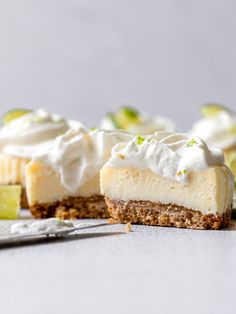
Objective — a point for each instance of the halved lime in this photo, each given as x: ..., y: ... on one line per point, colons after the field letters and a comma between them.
x: 10, y: 196
x: 14, y: 114
x: 212, y: 109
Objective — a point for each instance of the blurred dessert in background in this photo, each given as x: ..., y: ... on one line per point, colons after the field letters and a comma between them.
x: 218, y: 127
x: 24, y: 133
x: 135, y: 122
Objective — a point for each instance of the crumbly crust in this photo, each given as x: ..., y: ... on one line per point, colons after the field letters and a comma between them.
x: 169, y: 215
x: 24, y: 200
x: 72, y: 208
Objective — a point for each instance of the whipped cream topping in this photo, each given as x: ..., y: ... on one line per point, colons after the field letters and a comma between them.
x: 218, y: 130
x: 32, y: 133
x: 78, y: 155
x: 146, y: 125
x: 171, y: 155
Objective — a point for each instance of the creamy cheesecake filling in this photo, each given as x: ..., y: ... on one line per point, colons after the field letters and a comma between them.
x: 12, y: 170
x: 43, y: 185
x: 209, y: 191
x: 218, y: 130
x: 32, y: 133
x: 78, y: 156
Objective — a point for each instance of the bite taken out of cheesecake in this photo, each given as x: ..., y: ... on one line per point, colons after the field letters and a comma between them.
x: 168, y: 179
x: 23, y: 133
x: 64, y: 182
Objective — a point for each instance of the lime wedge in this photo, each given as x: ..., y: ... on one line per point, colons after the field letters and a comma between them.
x: 231, y: 162
x: 127, y: 116
x: 10, y: 196
x: 14, y: 114
x: 210, y: 110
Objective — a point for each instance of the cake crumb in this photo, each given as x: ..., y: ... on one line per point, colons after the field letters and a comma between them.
x: 112, y: 221
x: 128, y: 227
x: 121, y: 156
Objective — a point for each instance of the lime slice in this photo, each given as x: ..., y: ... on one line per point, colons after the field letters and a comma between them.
x: 210, y: 110
x: 231, y: 162
x: 14, y: 114
x: 10, y: 196
x: 127, y: 116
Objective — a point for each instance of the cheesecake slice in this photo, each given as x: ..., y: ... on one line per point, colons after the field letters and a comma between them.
x: 168, y: 179
x: 64, y: 182
x: 22, y: 134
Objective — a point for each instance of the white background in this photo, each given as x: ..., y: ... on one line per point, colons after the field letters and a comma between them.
x: 82, y: 58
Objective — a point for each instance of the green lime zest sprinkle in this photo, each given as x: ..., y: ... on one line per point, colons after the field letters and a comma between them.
x: 191, y: 142
x: 182, y: 172
x: 93, y: 129
x: 140, y: 140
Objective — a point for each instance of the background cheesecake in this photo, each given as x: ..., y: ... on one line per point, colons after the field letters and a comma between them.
x: 168, y: 179
x: 135, y: 122
x: 24, y: 133
x: 218, y: 127
x: 64, y: 182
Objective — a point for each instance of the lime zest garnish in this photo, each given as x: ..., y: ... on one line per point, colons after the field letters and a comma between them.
x: 140, y: 140
x: 182, y: 172
x: 93, y: 129
x: 191, y: 142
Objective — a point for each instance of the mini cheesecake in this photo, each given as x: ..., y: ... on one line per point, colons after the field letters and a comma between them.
x: 135, y: 122
x: 22, y: 134
x: 64, y: 182
x: 168, y: 179
x: 218, y: 127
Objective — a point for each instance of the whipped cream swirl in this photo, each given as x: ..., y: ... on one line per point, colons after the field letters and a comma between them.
x: 32, y: 133
x: 78, y: 155
x: 171, y: 155
x: 218, y: 130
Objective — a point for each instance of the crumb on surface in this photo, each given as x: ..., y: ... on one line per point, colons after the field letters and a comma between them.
x: 112, y: 221
x: 128, y: 227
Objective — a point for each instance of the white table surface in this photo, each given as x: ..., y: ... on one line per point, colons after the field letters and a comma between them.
x: 150, y: 270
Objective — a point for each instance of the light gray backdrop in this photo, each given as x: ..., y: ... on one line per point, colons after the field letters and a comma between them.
x: 82, y: 58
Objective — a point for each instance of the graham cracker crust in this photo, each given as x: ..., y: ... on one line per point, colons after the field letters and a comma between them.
x: 24, y: 200
x: 72, y: 208
x: 169, y: 215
